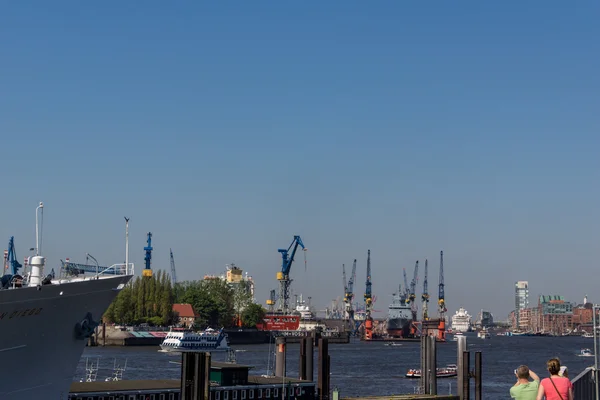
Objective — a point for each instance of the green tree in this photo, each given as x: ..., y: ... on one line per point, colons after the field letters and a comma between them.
x: 252, y: 315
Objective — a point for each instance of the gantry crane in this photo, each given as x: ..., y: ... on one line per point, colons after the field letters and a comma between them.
x: 441, y: 302
x: 368, y: 301
x: 284, y: 275
x: 406, y: 287
x: 148, y: 249
x: 413, y: 296
x: 425, y: 295
x: 173, y: 274
x: 349, y: 295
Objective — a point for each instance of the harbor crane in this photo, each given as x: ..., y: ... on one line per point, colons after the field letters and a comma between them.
x: 148, y: 258
x: 284, y: 275
x: 406, y: 287
x: 349, y: 295
x: 10, y: 258
x: 425, y: 295
x: 368, y: 301
x: 173, y: 274
x: 413, y: 296
x: 441, y: 299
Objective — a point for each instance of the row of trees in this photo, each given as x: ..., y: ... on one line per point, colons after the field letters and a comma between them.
x: 150, y: 300
x: 147, y: 300
x: 219, y: 304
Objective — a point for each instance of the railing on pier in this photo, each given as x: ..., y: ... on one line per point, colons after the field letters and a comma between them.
x: 584, y: 385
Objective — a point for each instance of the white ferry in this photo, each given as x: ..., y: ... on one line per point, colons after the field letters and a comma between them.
x: 188, y: 341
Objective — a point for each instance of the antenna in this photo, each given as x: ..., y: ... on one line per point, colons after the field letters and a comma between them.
x: 38, y: 228
x: 126, y: 245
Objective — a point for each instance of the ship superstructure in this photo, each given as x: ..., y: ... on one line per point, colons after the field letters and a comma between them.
x: 399, y: 314
x: 45, y: 321
x: 461, y: 321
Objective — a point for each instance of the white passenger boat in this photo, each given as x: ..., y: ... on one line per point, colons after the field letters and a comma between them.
x: 181, y: 340
x: 586, y: 353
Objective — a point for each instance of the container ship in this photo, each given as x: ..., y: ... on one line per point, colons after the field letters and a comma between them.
x: 399, y: 316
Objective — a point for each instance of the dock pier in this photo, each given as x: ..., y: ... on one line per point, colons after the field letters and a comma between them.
x: 203, y: 379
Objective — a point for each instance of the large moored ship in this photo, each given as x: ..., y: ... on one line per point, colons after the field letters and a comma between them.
x: 399, y: 315
x: 44, y: 323
x: 461, y: 321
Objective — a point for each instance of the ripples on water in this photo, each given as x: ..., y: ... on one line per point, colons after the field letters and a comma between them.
x: 361, y: 369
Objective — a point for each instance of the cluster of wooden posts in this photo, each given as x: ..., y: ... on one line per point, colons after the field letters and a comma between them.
x: 428, y: 382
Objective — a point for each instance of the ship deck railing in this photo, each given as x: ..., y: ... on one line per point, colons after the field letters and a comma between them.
x: 73, y: 270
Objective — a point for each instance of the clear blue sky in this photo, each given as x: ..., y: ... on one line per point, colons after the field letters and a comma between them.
x: 227, y: 128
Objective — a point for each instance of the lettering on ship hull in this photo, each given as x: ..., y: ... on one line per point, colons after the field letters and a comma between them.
x: 28, y: 312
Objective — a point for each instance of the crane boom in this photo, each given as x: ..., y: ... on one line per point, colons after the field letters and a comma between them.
x: 284, y: 276
x: 406, y: 287
x: 413, y: 286
x: 425, y: 295
x: 173, y: 274
x: 349, y: 294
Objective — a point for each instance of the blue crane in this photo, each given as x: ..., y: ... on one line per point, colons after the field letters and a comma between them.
x: 148, y: 249
x: 286, y: 265
x: 15, y: 266
x: 441, y: 298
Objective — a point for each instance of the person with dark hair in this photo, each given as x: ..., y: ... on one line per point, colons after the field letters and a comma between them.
x: 525, y: 389
x: 555, y: 387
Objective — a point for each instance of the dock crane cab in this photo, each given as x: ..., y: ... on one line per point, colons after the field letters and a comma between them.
x: 284, y: 275
x: 148, y: 258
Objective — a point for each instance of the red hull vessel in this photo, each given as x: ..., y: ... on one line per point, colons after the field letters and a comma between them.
x: 280, y: 322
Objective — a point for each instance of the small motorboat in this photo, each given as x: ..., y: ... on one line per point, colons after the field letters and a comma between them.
x: 393, y: 344
x: 446, y: 372
x: 586, y: 353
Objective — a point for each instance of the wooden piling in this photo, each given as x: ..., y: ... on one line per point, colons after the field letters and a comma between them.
x: 478, y: 370
x: 323, y: 372
x: 309, y: 359
x: 466, y: 392
x: 302, y: 367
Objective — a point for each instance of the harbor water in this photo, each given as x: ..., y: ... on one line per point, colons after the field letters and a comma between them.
x: 367, y: 369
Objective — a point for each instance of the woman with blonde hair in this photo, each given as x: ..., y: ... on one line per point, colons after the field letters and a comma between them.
x: 555, y: 387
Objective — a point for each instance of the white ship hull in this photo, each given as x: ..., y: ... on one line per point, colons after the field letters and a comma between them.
x: 39, y: 346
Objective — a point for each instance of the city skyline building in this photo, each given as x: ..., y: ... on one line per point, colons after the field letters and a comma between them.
x: 521, y: 300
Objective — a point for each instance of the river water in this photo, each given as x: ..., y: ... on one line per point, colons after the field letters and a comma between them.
x: 367, y: 369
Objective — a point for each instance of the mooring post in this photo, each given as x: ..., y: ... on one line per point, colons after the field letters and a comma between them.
x: 432, y: 353
x: 424, y: 365
x: 103, y: 334
x: 478, y: 369
x: 206, y: 362
x: 302, y: 367
x: 191, y: 375
x: 466, y: 389
x: 309, y: 359
x: 460, y: 349
x: 323, y: 373
x: 280, y: 356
